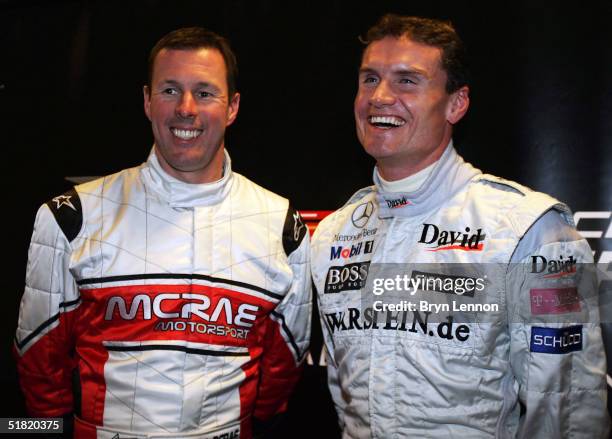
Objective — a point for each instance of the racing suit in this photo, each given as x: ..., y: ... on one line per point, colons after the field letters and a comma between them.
x: 184, y: 308
x: 513, y: 372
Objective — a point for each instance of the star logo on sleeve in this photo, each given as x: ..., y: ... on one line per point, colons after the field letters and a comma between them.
x: 63, y: 200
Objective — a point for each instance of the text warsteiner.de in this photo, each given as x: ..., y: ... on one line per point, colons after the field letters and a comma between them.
x: 410, y: 321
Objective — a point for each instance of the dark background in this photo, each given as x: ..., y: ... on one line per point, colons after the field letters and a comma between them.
x: 71, y: 76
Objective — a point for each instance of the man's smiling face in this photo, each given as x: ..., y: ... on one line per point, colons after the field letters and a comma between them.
x: 403, y: 112
x: 189, y: 108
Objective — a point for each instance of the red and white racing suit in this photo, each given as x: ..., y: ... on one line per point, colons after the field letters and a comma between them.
x: 184, y: 308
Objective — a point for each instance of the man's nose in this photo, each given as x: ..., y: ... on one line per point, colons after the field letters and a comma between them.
x: 382, y: 95
x: 187, y: 106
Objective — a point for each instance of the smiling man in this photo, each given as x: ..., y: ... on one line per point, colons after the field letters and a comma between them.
x: 190, y: 101
x: 177, y: 292
x: 532, y: 364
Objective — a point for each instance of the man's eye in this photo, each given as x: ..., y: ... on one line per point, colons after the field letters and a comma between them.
x: 169, y: 91
x: 203, y: 94
x: 370, y: 80
x: 406, y: 81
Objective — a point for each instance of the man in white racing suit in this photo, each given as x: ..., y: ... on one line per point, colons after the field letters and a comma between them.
x: 178, y: 291
x: 530, y: 362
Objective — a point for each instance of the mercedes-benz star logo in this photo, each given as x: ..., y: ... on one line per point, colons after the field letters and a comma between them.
x: 362, y: 213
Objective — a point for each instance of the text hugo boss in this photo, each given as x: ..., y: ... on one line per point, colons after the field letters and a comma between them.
x: 352, y: 319
x: 539, y: 264
x: 197, y: 305
x: 448, y: 239
x: 338, y: 251
x: 346, y: 277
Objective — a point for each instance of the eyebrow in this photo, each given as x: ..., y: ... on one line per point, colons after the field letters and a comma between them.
x: 400, y: 72
x: 198, y: 84
x: 366, y: 70
x: 412, y: 71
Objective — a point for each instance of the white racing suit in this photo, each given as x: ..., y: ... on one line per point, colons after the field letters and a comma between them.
x: 533, y: 368
x: 184, y: 308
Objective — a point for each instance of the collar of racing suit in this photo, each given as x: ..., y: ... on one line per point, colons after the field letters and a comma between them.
x: 449, y: 174
x: 179, y: 194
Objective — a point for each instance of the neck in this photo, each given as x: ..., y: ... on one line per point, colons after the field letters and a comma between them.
x: 392, y: 169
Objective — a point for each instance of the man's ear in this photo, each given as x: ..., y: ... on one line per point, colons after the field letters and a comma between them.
x: 146, y: 92
x: 458, y: 105
x: 232, y: 109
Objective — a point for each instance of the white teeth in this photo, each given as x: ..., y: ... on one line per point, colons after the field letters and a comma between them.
x: 186, y: 134
x: 388, y: 120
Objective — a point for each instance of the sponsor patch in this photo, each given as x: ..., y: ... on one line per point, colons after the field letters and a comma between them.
x: 294, y: 230
x: 68, y: 213
x: 553, y: 268
x: 346, y: 277
x: 403, y: 321
x: 398, y: 203
x: 545, y: 301
x: 338, y: 251
x: 356, y: 237
x: 362, y: 213
x: 441, y: 240
x: 556, y: 340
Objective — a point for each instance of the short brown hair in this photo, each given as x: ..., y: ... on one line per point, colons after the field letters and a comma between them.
x: 191, y: 38
x: 431, y: 32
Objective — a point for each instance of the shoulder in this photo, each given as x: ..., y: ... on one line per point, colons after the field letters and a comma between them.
x: 258, y: 202
x: 512, y: 191
x: 259, y: 195
x: 61, y: 214
x: 552, y: 235
x: 112, y: 185
x: 68, y: 210
x: 518, y: 204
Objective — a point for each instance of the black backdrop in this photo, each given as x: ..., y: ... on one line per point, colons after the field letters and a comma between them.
x: 71, y: 76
